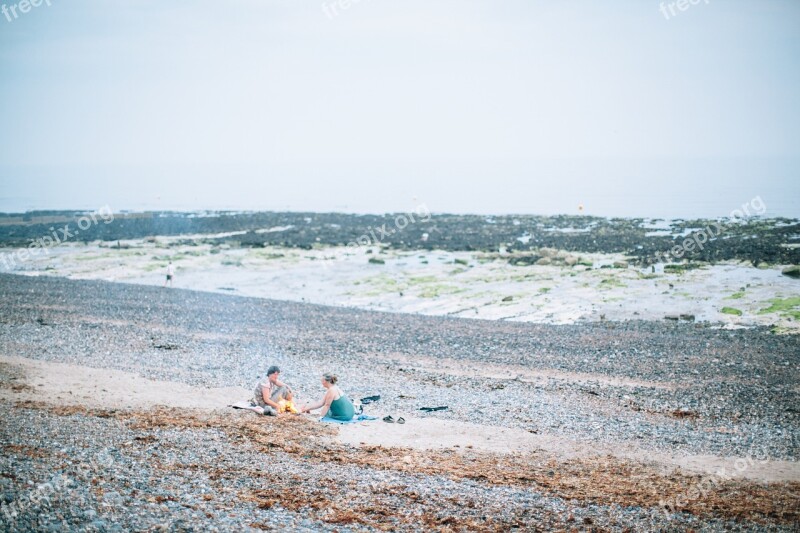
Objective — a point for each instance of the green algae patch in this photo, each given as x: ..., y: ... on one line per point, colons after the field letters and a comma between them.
x: 610, y: 283
x: 268, y: 255
x: 680, y: 268
x: 731, y: 311
x: 419, y: 280
x: 381, y: 284
x: 434, y: 291
x: 785, y: 306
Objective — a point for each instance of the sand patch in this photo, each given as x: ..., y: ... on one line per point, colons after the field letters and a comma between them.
x: 66, y: 384
x: 60, y: 384
x: 436, y: 434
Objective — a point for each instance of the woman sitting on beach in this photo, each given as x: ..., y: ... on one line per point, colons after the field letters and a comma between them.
x: 334, y: 404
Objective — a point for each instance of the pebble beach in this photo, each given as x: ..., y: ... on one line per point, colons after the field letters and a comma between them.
x: 399, y: 266
x: 627, y: 425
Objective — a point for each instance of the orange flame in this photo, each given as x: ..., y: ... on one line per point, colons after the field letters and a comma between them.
x: 287, y: 406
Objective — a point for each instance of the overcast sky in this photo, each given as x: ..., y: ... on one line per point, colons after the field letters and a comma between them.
x: 491, y: 106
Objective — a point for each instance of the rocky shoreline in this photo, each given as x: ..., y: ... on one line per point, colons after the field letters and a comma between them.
x: 646, y: 241
x: 664, y: 389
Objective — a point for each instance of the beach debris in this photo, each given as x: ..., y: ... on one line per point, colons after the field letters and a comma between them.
x: 166, y: 346
x: 370, y: 399
x: 680, y: 316
x: 376, y: 261
x: 508, y: 298
x: 683, y: 412
x: 432, y: 409
x: 389, y: 419
x: 523, y: 260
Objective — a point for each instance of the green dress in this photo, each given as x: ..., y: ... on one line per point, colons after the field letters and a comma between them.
x: 341, y: 409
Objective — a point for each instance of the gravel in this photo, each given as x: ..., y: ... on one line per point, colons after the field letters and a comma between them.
x: 120, y: 478
x: 728, y: 393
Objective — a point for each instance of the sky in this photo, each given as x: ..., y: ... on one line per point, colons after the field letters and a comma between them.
x: 382, y: 105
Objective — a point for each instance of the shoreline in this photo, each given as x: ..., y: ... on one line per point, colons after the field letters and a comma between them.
x: 645, y: 240
x: 566, y: 288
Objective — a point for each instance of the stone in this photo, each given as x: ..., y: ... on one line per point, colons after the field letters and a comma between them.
x: 791, y: 271
x: 544, y: 261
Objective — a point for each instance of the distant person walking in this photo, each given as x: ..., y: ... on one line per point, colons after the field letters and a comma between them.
x: 170, y: 274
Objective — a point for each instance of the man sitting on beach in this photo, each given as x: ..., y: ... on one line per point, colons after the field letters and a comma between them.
x: 272, y: 395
